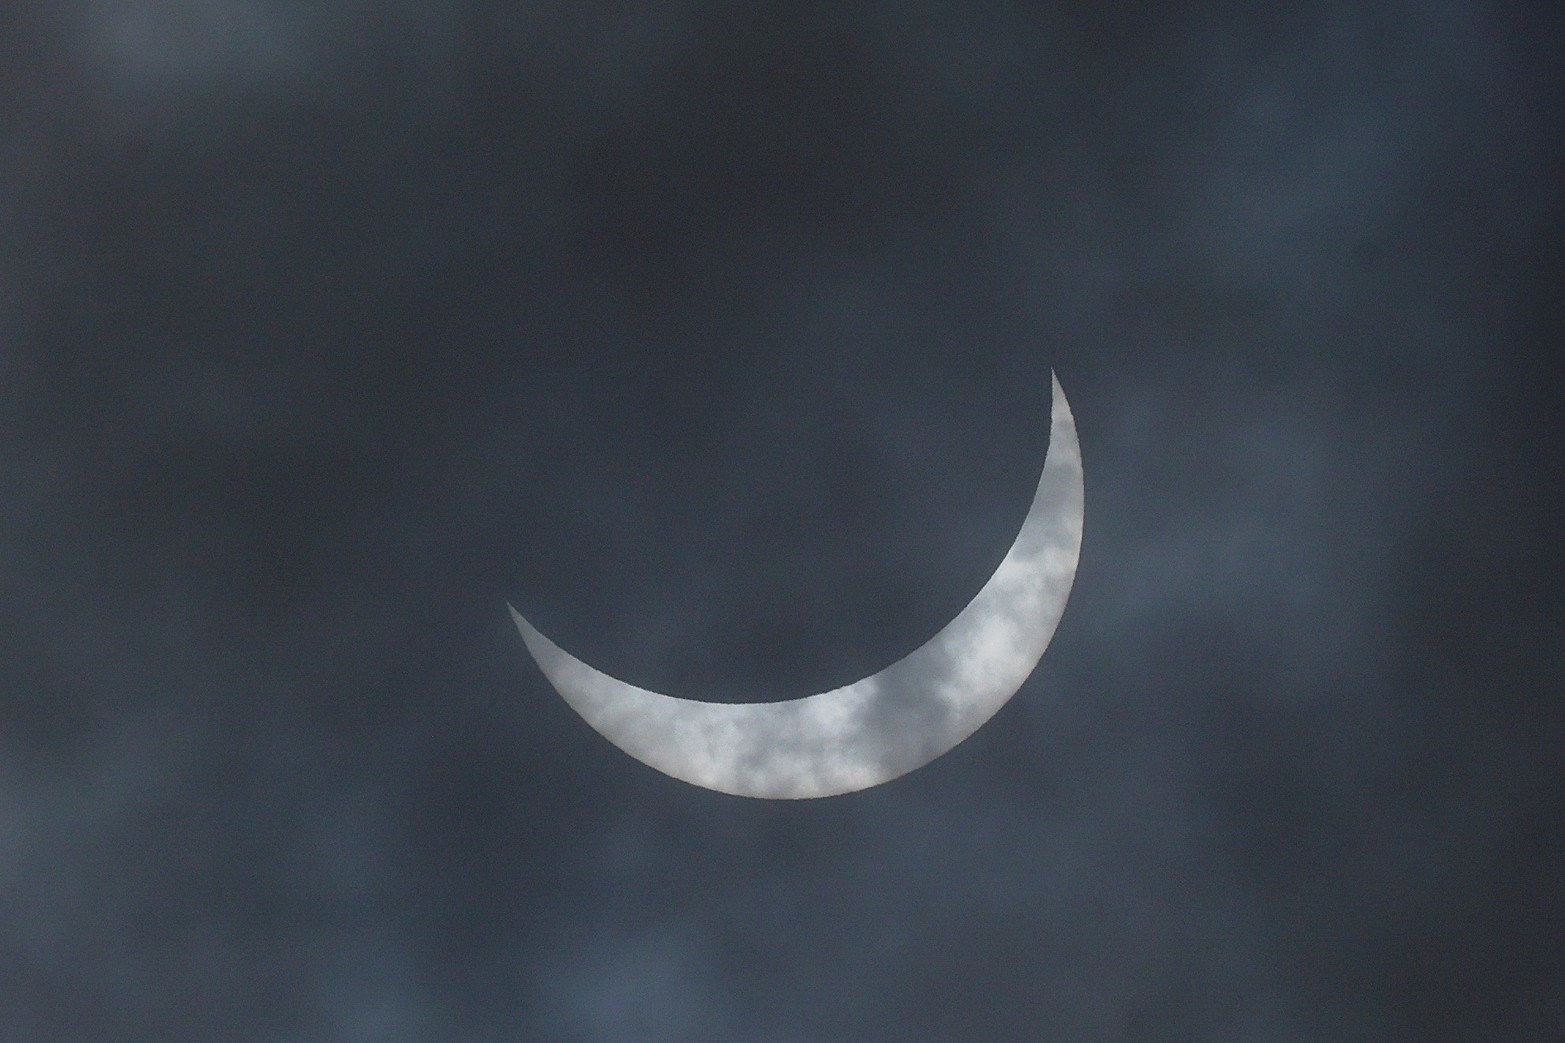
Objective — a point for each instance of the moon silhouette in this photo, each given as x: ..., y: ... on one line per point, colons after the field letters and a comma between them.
x: 878, y: 728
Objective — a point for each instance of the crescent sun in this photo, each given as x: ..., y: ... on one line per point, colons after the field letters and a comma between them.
x: 878, y: 728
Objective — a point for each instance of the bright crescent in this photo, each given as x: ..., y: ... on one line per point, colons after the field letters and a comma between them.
x: 885, y: 725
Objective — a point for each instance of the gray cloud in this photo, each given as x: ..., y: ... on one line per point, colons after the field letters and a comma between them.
x: 717, y: 343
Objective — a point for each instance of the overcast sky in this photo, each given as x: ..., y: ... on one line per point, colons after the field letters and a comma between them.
x: 716, y: 337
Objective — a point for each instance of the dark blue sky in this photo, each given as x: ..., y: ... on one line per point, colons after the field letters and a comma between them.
x: 717, y: 338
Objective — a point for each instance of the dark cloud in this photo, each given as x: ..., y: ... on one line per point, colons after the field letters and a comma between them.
x: 717, y: 339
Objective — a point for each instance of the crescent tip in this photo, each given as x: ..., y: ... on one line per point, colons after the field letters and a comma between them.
x: 526, y: 629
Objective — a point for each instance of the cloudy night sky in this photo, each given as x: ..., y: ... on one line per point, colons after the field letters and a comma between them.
x: 717, y: 338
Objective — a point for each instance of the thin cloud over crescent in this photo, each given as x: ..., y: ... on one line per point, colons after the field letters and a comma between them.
x: 877, y: 728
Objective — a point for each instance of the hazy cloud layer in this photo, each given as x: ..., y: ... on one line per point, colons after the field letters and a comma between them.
x: 717, y: 338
